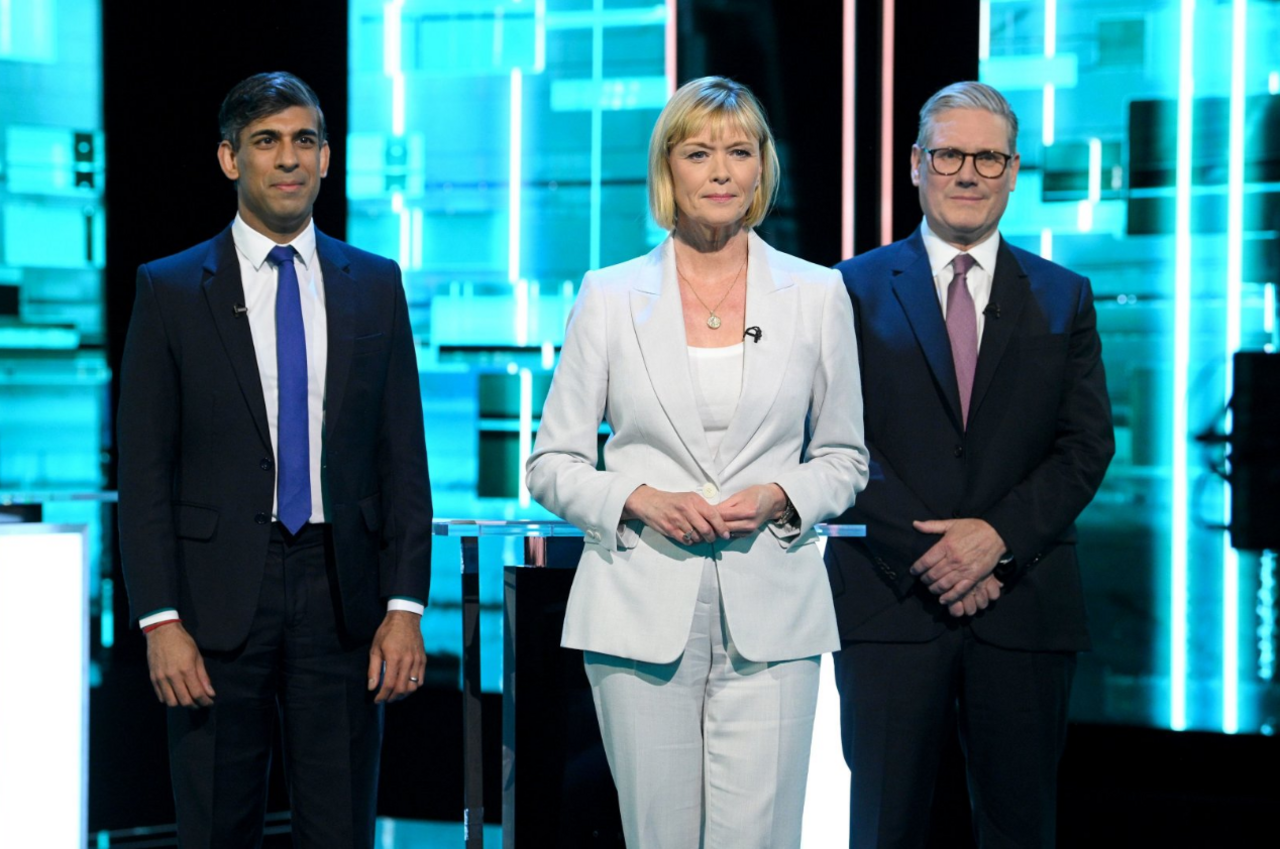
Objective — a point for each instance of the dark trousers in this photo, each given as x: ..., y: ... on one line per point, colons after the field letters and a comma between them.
x: 296, y: 666
x: 899, y: 700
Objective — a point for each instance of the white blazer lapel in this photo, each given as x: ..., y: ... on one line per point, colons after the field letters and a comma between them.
x: 659, y: 323
x: 771, y: 307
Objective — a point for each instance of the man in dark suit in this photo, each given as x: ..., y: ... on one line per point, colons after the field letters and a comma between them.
x: 989, y: 429
x: 275, y: 510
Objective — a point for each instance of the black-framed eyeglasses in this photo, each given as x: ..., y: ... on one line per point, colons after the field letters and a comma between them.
x: 946, y: 161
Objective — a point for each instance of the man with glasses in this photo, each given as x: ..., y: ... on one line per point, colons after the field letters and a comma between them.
x: 989, y: 428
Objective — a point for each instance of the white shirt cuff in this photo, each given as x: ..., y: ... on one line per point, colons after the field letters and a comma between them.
x: 157, y: 617
x: 408, y: 604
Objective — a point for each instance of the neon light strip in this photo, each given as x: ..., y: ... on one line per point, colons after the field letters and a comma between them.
x: 597, y: 133
x: 397, y: 206
x: 392, y: 64
x: 886, y: 123
x: 1178, y: 577
x: 984, y: 30
x: 526, y: 430
x: 1235, y: 279
x: 514, y: 175
x: 1084, y: 216
x: 1047, y: 136
x: 1267, y: 618
x: 846, y: 133
x: 1050, y: 28
x: 669, y: 31
x: 1046, y: 244
x: 1273, y: 82
x: 1095, y: 170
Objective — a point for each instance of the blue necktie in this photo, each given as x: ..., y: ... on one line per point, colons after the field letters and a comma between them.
x: 293, y: 448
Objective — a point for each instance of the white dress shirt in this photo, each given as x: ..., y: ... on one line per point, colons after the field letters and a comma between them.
x: 980, y: 274
x: 260, y: 280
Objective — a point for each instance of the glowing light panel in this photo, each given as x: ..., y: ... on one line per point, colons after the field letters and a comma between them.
x: 44, y: 738
x: 1181, y: 365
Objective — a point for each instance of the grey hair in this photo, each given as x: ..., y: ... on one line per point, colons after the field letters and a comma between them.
x: 967, y: 95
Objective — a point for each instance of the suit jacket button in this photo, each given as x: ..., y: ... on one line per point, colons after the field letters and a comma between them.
x: 265, y: 464
x: 262, y: 518
x: 959, y: 451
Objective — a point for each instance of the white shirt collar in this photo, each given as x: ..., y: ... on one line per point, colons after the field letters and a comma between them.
x: 255, y: 246
x: 942, y: 253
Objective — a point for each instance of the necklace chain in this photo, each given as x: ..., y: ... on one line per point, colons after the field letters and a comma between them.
x: 713, y: 320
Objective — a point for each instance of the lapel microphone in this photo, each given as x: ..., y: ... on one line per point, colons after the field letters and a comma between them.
x: 239, y: 310
x: 755, y: 333
x: 992, y: 311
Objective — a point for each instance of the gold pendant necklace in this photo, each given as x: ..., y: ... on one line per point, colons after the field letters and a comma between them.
x: 713, y: 320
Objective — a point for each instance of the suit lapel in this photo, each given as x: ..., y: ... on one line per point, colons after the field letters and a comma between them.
x: 913, y: 285
x: 771, y: 306
x: 659, y: 325
x: 341, y: 303
x: 1009, y: 289
x: 224, y: 293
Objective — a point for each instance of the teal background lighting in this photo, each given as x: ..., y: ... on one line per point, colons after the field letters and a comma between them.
x: 498, y: 148
x: 1149, y: 139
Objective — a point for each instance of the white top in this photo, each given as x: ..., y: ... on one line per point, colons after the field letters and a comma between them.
x: 259, y: 280
x: 980, y: 274
x: 717, y: 385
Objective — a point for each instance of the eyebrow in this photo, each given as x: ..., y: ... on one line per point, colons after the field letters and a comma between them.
x: 306, y: 132
x: 738, y: 142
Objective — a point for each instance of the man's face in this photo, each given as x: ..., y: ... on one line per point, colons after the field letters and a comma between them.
x: 965, y: 207
x: 277, y: 170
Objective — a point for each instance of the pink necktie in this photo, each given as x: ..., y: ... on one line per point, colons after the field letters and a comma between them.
x: 962, y: 327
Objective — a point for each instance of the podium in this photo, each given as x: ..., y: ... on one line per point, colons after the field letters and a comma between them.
x: 556, y: 787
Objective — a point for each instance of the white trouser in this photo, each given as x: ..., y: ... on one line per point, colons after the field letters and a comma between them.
x: 712, y: 749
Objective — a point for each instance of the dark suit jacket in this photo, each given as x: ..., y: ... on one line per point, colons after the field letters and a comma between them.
x: 197, y: 470
x: 1038, y: 443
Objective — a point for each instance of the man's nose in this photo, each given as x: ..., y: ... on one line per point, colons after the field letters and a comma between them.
x: 287, y: 156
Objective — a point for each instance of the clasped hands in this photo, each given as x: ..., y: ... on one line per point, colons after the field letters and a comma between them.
x: 688, y: 517
x: 957, y: 568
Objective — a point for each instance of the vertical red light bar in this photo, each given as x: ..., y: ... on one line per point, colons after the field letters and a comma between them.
x: 846, y: 135
x: 886, y: 124
x: 671, y: 47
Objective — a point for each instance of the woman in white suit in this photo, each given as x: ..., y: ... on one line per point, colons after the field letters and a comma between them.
x: 701, y: 600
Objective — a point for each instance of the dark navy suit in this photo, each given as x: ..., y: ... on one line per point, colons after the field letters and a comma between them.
x: 1037, y: 444
x: 197, y: 481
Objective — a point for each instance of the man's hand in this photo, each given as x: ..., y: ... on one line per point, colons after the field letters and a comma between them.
x: 684, y: 516
x: 745, y: 511
x: 954, y: 565
x: 397, y: 660
x: 177, y: 669
x: 985, y: 592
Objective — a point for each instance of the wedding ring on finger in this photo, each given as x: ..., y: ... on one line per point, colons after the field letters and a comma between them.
x: 687, y: 538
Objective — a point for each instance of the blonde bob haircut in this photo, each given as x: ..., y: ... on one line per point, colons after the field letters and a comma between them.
x: 716, y: 102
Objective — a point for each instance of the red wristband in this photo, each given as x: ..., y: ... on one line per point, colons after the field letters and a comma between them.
x: 155, y: 625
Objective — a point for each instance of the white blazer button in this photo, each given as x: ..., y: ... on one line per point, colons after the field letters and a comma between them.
x: 708, y: 490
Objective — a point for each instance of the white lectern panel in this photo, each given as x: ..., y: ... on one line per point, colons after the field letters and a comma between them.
x: 44, y: 685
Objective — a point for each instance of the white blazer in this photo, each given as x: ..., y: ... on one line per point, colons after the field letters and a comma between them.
x: 625, y: 360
